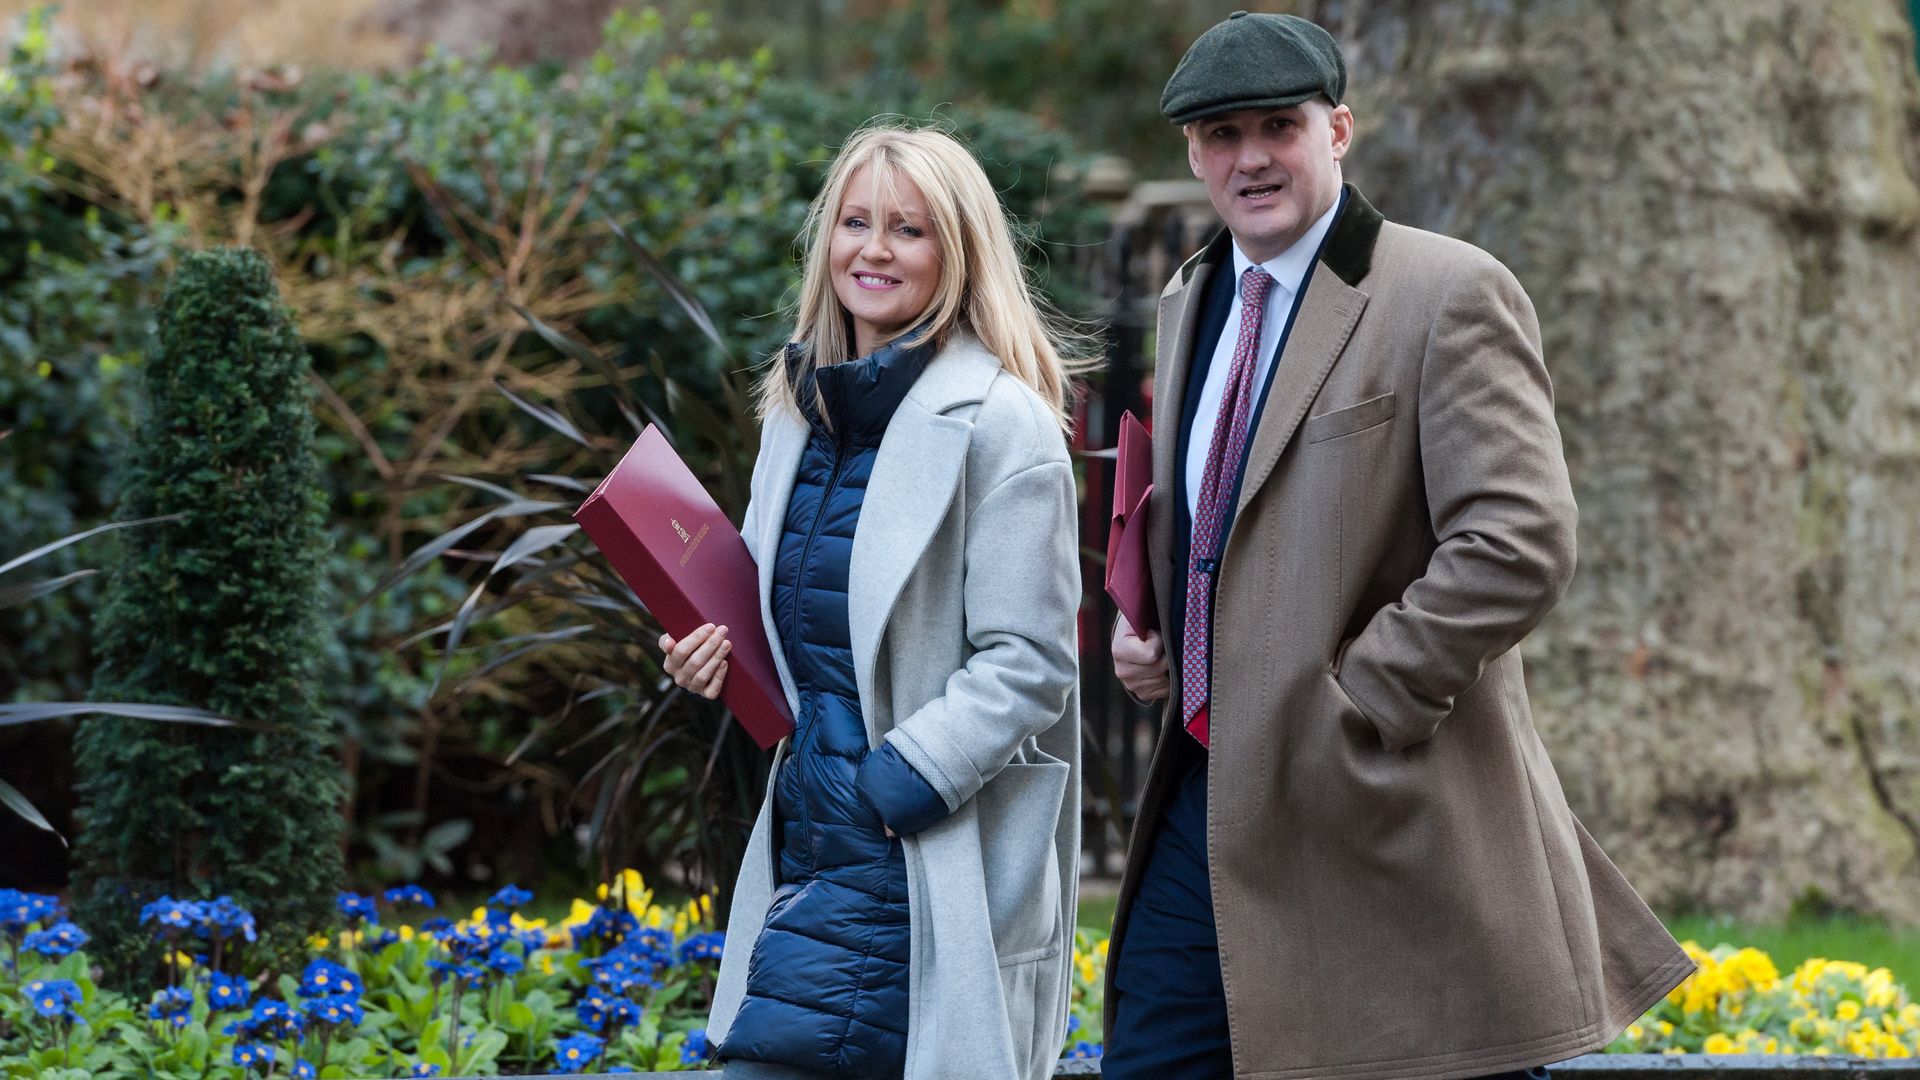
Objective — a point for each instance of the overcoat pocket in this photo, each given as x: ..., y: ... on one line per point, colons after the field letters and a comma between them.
x: 1331, y: 425
x: 1019, y: 810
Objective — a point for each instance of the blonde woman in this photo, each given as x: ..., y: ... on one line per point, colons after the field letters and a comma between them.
x: 907, y: 900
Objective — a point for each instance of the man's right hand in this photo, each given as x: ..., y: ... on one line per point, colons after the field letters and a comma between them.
x: 1139, y: 662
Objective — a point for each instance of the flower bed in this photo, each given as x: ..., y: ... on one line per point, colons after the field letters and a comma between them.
x: 622, y: 984
x: 1738, y: 1003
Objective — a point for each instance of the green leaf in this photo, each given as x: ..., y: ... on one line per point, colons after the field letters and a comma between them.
x: 674, y: 286
x: 18, y: 803
x: 30, y: 712
x: 15, y: 595
x: 546, y: 416
x: 77, y: 537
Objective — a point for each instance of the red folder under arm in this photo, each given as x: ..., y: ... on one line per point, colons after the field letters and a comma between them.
x: 1128, y: 581
x: 689, y: 566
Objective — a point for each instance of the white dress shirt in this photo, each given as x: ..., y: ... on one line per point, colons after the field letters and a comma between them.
x: 1289, y: 270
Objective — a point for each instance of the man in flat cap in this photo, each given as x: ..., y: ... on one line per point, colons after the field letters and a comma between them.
x: 1353, y: 858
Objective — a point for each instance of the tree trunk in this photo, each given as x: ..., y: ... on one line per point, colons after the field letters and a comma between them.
x: 1716, y: 209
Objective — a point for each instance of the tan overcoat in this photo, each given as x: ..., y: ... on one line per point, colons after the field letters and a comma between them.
x: 1399, y: 887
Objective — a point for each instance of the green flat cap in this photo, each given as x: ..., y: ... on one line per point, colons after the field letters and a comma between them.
x: 1254, y: 61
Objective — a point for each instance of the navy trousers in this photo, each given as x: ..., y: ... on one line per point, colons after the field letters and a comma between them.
x: 1169, y: 1009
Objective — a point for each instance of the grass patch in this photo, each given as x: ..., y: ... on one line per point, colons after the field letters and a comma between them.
x: 1866, y: 941
x: 1096, y: 911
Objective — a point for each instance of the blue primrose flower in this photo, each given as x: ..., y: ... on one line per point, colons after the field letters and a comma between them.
x: 228, y: 992
x: 402, y: 895
x: 303, y: 1070
x: 174, y: 1005
x: 272, y: 1019
x: 222, y: 918
x: 424, y: 1069
x: 625, y: 1012
x: 633, y: 963
x: 696, y: 1048
x: 439, y: 925
x: 1084, y: 1049
x: 356, y: 908
x: 61, y: 940
x: 592, y: 1008
x: 706, y: 946
x: 55, y: 998
x: 453, y: 969
x: 505, y: 962
x: 606, y: 924
x: 468, y: 944
x: 340, y: 1010
x: 324, y: 978
x: 510, y: 897
x: 252, y: 1055
x: 169, y: 915
x: 19, y: 910
x: 577, y: 1050
x: 381, y: 936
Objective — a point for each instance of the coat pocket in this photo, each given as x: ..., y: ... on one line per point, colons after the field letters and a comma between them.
x: 1019, y: 812
x: 1331, y: 425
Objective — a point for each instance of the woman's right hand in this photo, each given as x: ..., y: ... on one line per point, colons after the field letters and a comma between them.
x: 698, y: 662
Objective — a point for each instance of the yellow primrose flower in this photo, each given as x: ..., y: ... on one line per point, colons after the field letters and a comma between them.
x: 1717, y: 1043
x: 582, y: 912
x: 407, y: 933
x: 1847, y: 1010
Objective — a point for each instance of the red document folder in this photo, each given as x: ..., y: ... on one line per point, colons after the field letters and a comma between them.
x: 689, y: 566
x: 1128, y: 581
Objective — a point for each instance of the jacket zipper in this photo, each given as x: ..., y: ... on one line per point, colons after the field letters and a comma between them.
x: 800, y: 577
x: 806, y: 550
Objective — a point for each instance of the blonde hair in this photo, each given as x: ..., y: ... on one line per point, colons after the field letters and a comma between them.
x: 983, y: 287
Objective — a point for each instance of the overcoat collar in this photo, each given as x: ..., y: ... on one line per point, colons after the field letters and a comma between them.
x: 1327, y: 317
x: 915, y: 474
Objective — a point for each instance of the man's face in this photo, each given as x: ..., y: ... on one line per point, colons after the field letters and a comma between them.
x: 1271, y: 173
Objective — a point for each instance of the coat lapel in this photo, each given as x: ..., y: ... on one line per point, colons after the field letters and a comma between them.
x: 921, y: 461
x: 1179, y: 321
x: 783, y: 440
x: 1320, y: 331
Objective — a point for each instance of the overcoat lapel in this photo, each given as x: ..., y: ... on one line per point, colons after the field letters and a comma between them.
x: 919, y: 468
x: 783, y: 441
x: 1327, y: 316
x: 1179, y: 321
x: 1320, y: 331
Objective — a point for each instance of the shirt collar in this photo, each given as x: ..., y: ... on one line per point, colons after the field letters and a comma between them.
x: 1290, y: 267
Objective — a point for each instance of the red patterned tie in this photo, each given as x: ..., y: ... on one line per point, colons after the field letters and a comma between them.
x: 1216, y: 486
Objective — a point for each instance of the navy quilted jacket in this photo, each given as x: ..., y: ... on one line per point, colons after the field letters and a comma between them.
x: 827, y: 983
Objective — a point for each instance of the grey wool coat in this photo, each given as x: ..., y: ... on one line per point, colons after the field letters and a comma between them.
x: 1399, y: 887
x: 962, y: 593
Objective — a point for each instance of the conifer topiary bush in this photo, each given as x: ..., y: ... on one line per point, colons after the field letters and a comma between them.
x: 220, y: 610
